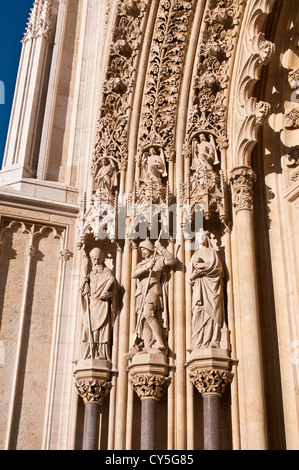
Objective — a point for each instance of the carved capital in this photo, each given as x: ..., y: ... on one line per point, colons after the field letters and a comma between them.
x: 93, y: 390
x: 149, y: 385
x: 211, y: 381
x: 242, y: 180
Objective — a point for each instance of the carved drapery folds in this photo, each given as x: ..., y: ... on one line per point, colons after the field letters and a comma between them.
x: 39, y: 22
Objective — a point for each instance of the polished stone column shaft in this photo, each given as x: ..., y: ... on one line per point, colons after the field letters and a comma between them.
x: 91, y: 426
x: 211, y: 422
x: 148, y: 424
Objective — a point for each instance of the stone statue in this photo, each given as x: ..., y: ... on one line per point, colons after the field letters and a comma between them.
x: 150, y: 301
x: 99, y: 306
x: 106, y: 177
x: 205, y: 273
x: 204, y: 153
x: 153, y: 165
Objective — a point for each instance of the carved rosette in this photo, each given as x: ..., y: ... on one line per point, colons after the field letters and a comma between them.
x: 149, y: 386
x: 93, y: 390
x: 211, y: 381
x: 242, y: 181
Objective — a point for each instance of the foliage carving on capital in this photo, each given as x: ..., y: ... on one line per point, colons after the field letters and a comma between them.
x: 242, y: 181
x: 149, y: 386
x: 94, y: 390
x: 211, y: 381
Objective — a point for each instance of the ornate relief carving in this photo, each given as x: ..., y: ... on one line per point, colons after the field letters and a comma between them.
x: 65, y: 255
x: 149, y: 386
x: 203, y: 186
x: 163, y: 76
x: 205, y: 274
x: 93, y: 391
x: 39, y: 21
x: 242, y: 181
x: 291, y: 120
x: 113, y: 122
x: 208, y: 113
x: 211, y: 381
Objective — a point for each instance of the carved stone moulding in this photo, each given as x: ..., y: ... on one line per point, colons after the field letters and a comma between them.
x: 92, y: 380
x: 242, y: 181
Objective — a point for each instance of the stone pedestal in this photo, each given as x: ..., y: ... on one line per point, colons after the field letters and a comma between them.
x: 92, y: 380
x: 209, y: 372
x: 148, y: 375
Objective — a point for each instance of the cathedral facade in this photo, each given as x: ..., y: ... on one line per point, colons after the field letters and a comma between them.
x: 149, y: 202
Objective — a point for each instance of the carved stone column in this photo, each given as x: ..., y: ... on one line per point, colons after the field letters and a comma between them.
x: 209, y: 372
x: 250, y: 373
x: 148, y: 378
x: 92, y: 380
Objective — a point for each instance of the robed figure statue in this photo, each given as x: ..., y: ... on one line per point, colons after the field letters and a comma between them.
x: 99, y: 307
x: 205, y: 273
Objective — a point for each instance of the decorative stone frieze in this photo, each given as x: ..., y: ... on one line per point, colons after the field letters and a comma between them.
x: 211, y: 381
x: 150, y: 386
x: 242, y: 181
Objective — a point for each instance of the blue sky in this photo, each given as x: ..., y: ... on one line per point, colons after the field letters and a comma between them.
x: 13, y: 20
